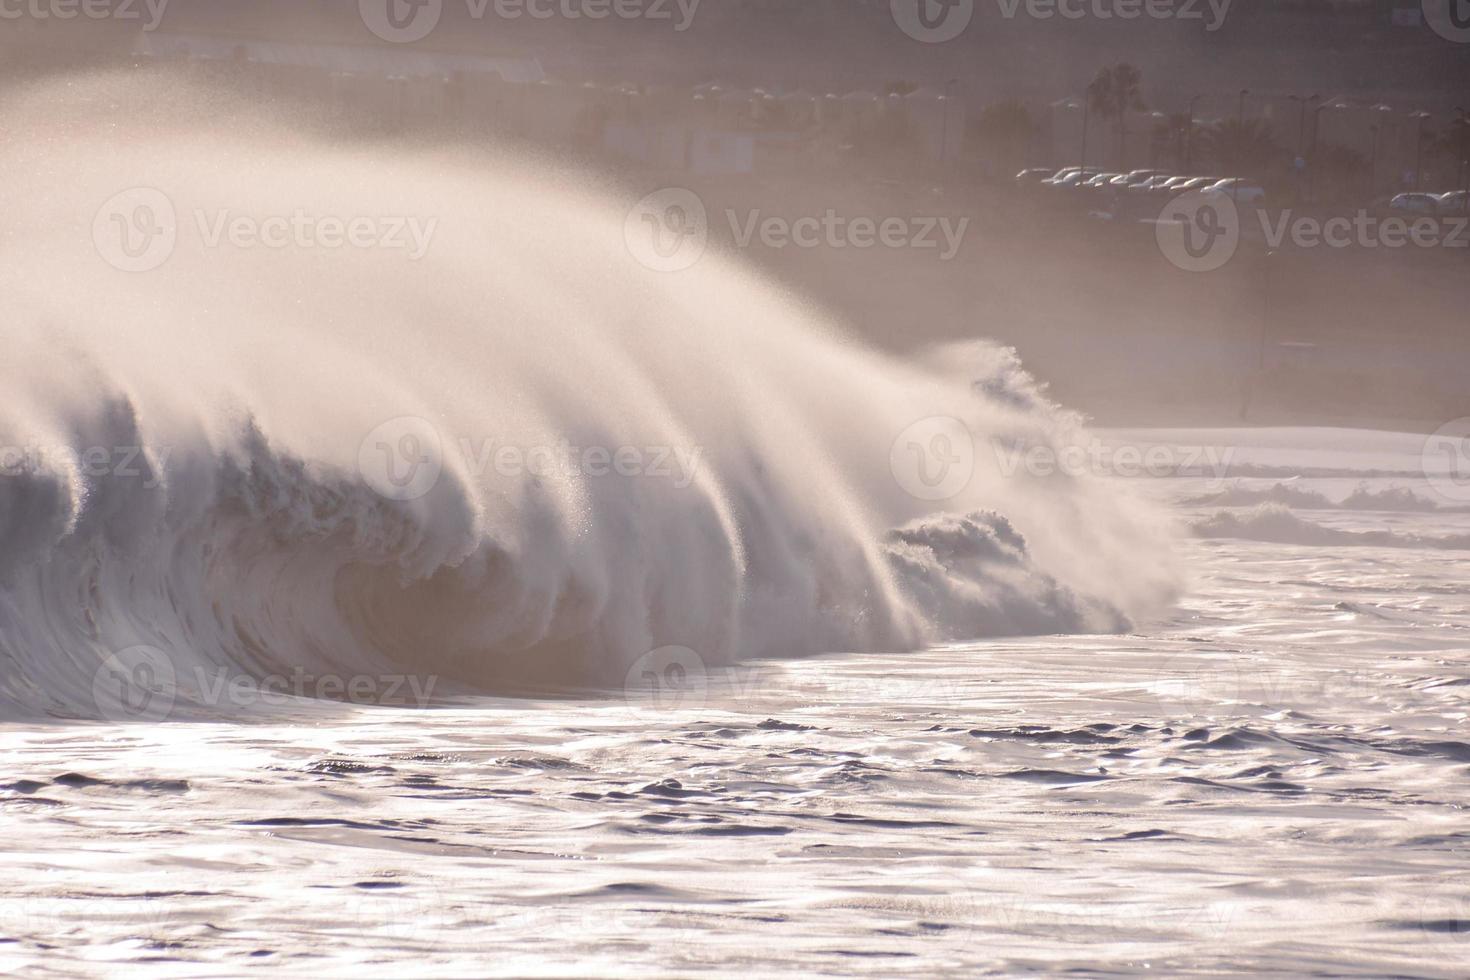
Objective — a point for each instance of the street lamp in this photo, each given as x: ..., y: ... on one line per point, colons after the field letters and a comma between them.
x: 1189, y: 135
x: 944, y: 126
x: 1464, y: 121
x: 1418, y: 118
x: 1161, y: 124
x: 1301, y: 135
x: 1240, y: 138
x: 1086, y: 104
x: 1377, y: 130
x: 1300, y: 164
x: 1317, y: 132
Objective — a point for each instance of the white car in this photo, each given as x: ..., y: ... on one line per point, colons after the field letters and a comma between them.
x: 1452, y: 202
x: 1415, y: 202
x: 1148, y: 184
x: 1238, y: 189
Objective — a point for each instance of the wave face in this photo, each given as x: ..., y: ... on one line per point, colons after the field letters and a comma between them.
x: 261, y: 460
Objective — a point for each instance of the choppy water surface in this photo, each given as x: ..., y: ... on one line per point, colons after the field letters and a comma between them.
x: 229, y: 466
x: 1273, y: 779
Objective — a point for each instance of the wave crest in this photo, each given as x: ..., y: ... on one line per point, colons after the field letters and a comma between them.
x: 213, y: 496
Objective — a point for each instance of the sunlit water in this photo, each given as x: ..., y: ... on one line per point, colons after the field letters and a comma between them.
x: 1267, y: 774
x: 1272, y: 779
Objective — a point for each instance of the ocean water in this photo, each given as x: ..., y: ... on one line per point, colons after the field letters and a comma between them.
x: 502, y: 603
x: 1272, y: 778
x: 520, y: 457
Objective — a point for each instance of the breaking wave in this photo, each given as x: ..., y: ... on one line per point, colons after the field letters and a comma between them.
x: 1276, y: 524
x: 520, y: 460
x: 1363, y: 497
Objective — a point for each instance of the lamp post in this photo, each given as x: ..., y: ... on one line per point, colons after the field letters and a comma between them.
x: 1464, y: 122
x: 1418, y: 118
x: 1376, y: 129
x: 1299, y: 165
x: 944, y: 126
x: 1240, y: 136
x: 1086, y: 100
x: 1317, y: 133
x: 1189, y: 135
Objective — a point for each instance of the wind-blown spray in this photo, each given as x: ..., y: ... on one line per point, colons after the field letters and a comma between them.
x: 270, y: 439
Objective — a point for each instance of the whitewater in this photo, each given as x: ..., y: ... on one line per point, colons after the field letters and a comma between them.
x: 304, y: 451
x: 400, y: 573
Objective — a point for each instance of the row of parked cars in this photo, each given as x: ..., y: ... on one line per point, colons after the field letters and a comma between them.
x: 1424, y: 202
x: 1156, y: 183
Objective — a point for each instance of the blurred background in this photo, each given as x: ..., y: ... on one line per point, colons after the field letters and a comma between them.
x: 1057, y: 133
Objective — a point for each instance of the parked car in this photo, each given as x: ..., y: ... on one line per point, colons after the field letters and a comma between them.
x: 1145, y: 186
x: 1171, y: 185
x: 1414, y: 202
x: 1131, y: 178
x: 1238, y: 189
x: 1061, y: 175
x: 1100, y: 180
x: 1452, y: 202
x: 1075, y: 178
x: 1197, y: 184
x: 1032, y: 176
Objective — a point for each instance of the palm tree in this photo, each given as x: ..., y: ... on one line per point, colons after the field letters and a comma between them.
x: 1241, y: 147
x: 1006, y: 130
x: 1113, y: 94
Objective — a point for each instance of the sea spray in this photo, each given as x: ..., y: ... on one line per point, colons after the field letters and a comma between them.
x: 299, y: 499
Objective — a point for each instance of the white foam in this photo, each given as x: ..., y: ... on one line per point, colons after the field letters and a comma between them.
x: 252, y: 382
